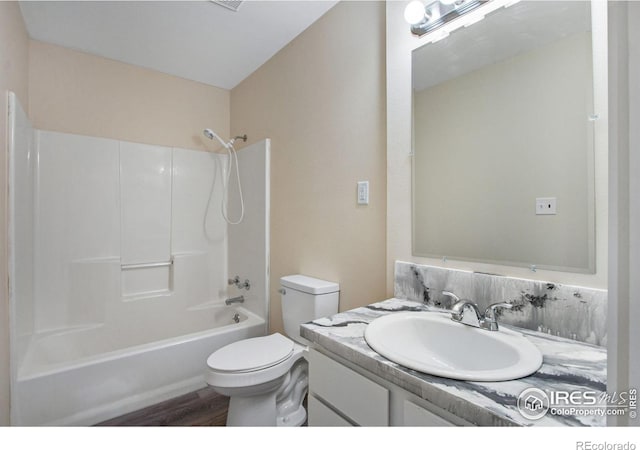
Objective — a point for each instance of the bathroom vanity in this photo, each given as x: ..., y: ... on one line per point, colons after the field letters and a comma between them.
x: 343, y: 394
x: 350, y: 384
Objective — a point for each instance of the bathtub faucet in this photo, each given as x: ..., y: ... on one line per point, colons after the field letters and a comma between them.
x: 239, y: 299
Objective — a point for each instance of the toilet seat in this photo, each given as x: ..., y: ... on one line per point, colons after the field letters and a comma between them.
x: 253, y: 354
x: 252, y: 362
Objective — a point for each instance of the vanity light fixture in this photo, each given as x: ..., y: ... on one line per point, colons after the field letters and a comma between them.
x: 445, y: 16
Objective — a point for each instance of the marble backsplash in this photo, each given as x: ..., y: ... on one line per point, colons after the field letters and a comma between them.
x: 572, y: 312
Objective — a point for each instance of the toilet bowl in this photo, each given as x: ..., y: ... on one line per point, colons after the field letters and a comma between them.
x: 255, y: 374
x: 266, y: 377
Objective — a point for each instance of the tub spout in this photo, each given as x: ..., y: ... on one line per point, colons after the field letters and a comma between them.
x: 239, y: 299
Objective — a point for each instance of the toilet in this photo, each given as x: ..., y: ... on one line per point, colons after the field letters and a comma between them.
x: 266, y: 377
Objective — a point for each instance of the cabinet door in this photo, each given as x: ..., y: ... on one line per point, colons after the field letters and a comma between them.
x: 417, y: 416
x: 321, y: 415
x: 363, y: 401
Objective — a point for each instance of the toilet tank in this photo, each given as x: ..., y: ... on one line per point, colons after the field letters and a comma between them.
x: 305, y: 299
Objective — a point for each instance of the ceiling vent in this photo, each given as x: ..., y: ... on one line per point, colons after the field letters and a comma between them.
x: 233, y: 5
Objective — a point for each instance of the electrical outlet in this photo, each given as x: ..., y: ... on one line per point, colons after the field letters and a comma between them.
x: 546, y: 206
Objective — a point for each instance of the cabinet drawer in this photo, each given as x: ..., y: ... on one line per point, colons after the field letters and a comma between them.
x: 321, y: 415
x: 417, y: 416
x: 361, y: 400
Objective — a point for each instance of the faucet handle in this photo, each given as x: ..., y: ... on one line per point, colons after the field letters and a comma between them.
x: 491, y: 309
x: 455, y: 298
x: 490, y: 321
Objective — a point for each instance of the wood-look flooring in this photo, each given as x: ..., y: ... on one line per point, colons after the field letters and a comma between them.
x: 204, y: 407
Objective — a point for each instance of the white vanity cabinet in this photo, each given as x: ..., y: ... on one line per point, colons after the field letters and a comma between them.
x: 347, y: 393
x: 342, y: 394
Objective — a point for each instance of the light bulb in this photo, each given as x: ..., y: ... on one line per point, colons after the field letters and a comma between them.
x: 414, y: 12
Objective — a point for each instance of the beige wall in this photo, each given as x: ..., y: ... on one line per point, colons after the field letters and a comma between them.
x: 400, y: 43
x: 14, y: 54
x: 322, y: 102
x: 74, y: 92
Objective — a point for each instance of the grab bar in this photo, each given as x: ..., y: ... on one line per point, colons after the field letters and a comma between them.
x: 146, y: 265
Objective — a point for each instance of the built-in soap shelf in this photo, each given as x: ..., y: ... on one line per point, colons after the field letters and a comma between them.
x: 145, y: 280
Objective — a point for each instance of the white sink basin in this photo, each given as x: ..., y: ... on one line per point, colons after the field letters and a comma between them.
x: 432, y: 343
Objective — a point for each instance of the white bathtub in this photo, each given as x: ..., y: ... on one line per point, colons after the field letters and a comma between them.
x: 90, y: 374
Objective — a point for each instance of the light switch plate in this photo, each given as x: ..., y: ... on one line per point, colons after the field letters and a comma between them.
x: 363, y: 192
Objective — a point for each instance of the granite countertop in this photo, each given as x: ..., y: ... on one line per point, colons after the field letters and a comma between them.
x: 567, y: 366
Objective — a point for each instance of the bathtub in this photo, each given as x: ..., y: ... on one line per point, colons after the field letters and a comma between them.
x: 88, y: 374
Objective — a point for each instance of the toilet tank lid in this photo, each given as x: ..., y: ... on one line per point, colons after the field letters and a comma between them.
x: 309, y: 285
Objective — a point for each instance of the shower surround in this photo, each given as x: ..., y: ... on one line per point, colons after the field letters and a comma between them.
x: 118, y: 270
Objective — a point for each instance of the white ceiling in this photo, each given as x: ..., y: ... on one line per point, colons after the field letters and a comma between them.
x: 197, y: 40
x: 503, y: 34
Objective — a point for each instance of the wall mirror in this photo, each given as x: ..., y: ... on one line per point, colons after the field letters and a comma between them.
x: 503, y: 140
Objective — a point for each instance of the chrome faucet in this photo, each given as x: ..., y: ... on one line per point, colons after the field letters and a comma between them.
x: 487, y: 321
x: 238, y: 299
x: 458, y: 313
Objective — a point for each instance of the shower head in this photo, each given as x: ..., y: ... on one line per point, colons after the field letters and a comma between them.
x: 233, y: 157
x: 208, y: 132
